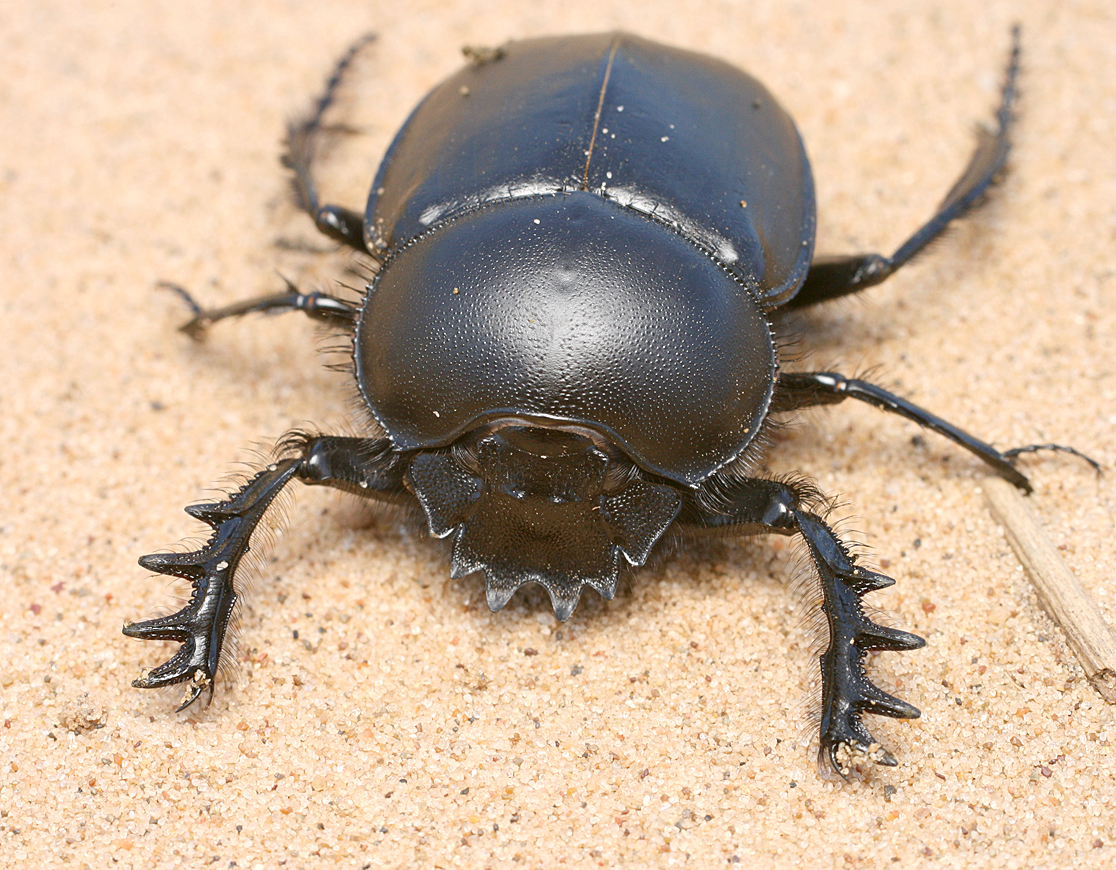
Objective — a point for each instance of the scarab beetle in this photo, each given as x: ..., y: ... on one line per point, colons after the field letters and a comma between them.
x: 569, y: 351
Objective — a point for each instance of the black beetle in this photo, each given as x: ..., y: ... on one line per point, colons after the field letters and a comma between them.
x: 570, y: 347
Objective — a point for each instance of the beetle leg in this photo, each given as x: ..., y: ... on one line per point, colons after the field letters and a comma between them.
x: 757, y: 506
x: 357, y: 465
x: 317, y: 305
x: 831, y: 277
x: 806, y: 389
x: 303, y: 137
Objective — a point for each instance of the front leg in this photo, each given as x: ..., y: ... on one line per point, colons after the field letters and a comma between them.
x: 358, y: 465
x: 765, y: 506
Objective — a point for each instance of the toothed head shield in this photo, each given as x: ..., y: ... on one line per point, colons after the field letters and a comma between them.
x: 537, y: 505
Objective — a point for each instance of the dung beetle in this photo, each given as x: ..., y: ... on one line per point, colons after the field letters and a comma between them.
x: 569, y: 352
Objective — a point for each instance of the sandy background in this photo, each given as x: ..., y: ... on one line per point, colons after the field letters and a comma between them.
x: 408, y: 727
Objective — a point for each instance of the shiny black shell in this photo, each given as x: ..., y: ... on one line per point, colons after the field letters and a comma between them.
x: 587, y: 230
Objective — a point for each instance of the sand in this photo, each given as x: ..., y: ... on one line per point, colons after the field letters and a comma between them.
x: 380, y: 716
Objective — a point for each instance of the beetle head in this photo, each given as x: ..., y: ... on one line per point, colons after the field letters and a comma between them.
x: 549, y: 504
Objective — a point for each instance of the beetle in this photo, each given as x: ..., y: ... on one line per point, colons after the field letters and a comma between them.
x: 570, y: 349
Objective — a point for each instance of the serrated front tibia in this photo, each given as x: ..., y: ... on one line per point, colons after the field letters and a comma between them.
x: 201, y: 625
x: 841, y: 756
x: 185, y: 566
x: 862, y: 581
x: 847, y: 692
x: 876, y: 700
x: 846, y: 742
x: 880, y: 637
x: 214, y: 513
